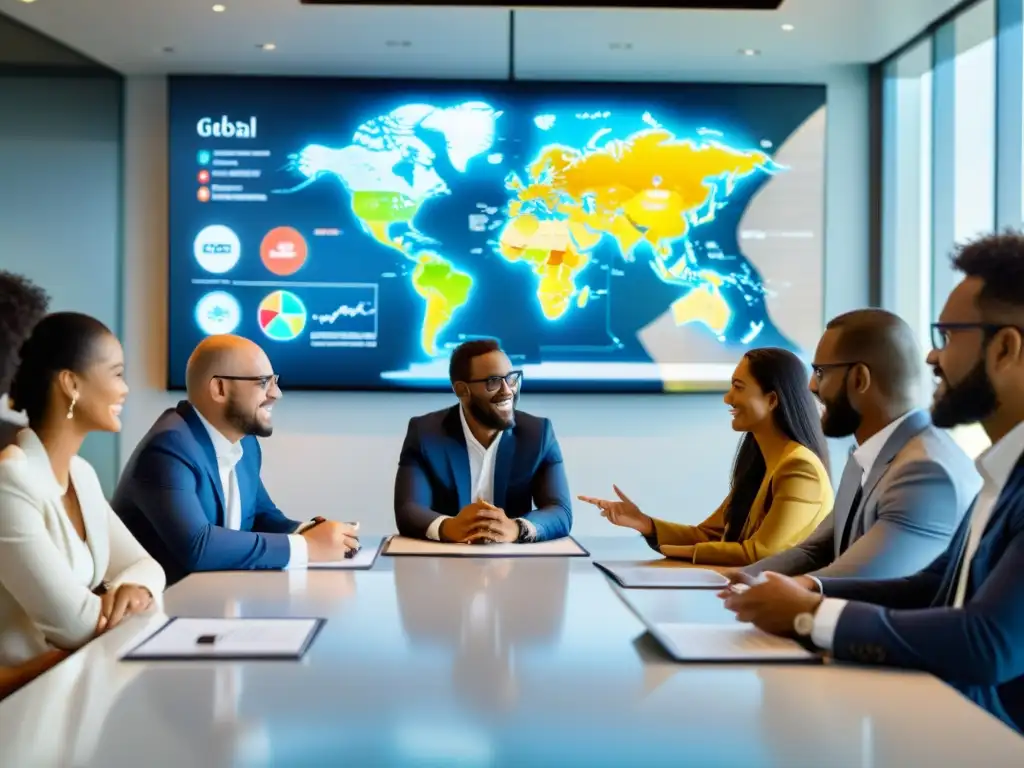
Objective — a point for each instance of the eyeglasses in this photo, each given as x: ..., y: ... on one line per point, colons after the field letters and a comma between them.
x: 818, y: 369
x: 941, y: 331
x: 493, y: 383
x: 263, y: 381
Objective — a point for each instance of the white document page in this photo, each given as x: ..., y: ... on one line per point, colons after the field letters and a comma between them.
x: 727, y: 642
x: 655, y: 576
x: 186, y: 638
x: 565, y: 547
x: 369, y: 548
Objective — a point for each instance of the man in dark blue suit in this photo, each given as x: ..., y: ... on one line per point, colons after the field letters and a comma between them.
x: 191, y: 492
x: 480, y: 471
x: 962, y: 617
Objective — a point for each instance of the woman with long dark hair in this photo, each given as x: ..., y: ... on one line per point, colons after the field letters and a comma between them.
x: 780, y: 489
x: 69, y: 569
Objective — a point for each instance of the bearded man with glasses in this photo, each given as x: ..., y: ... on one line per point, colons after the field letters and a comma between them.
x: 481, y: 471
x: 192, y: 494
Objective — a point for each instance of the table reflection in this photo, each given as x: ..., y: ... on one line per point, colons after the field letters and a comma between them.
x: 480, y: 611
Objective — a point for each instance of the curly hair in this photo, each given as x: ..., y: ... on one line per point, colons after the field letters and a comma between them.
x: 22, y: 305
x: 998, y: 261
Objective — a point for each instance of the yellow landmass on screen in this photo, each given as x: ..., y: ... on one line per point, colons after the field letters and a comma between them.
x: 704, y: 304
x: 547, y: 246
x: 444, y: 289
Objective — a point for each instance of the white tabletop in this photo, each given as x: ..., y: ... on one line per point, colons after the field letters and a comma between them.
x: 459, y: 662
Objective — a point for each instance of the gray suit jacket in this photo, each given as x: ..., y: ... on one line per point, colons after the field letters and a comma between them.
x: 914, y: 497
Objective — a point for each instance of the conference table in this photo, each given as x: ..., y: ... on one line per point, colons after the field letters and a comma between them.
x: 428, y: 661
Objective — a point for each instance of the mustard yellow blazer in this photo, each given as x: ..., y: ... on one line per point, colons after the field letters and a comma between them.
x: 801, y: 498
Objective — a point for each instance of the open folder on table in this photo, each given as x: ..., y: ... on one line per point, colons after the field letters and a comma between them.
x: 399, y: 546
x: 733, y: 642
x: 653, y: 575
x: 362, y: 560
x: 189, y: 639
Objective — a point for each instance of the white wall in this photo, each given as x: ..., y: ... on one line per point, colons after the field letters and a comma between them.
x: 335, y: 453
x: 60, y: 195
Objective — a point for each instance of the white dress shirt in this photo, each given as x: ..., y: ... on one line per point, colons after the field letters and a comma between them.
x: 867, y: 454
x: 47, y: 572
x: 228, y: 455
x: 994, y: 466
x: 481, y: 475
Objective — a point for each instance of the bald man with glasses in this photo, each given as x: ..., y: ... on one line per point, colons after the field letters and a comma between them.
x: 481, y: 471
x: 192, y: 493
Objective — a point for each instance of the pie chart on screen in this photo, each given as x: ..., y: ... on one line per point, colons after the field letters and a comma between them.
x: 282, y: 316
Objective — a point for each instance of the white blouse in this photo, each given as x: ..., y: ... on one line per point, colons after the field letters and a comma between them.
x: 47, y: 573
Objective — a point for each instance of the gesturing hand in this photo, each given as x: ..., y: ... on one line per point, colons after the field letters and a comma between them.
x: 622, y: 512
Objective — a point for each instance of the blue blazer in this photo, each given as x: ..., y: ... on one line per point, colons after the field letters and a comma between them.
x: 170, y: 497
x: 910, y: 623
x: 433, y: 474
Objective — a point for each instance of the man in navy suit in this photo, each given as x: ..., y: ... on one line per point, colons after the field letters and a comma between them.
x: 480, y: 471
x: 191, y: 492
x: 962, y: 617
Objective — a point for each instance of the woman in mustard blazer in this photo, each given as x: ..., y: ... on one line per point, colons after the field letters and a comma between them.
x: 780, y: 489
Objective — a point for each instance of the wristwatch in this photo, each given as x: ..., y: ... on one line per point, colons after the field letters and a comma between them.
x: 524, y: 531
x: 803, y: 624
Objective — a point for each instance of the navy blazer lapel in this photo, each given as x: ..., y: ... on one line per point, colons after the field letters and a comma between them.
x: 503, y: 466
x: 457, y: 454
x: 202, y: 437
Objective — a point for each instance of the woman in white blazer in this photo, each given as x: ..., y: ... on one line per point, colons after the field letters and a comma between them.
x: 69, y: 569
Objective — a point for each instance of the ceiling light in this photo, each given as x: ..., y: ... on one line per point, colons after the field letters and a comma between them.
x: 620, y: 46
x: 168, y: 49
x: 750, y: 52
x: 218, y: 8
x: 788, y: 27
x: 398, y: 43
x: 28, y: 1
x: 266, y: 46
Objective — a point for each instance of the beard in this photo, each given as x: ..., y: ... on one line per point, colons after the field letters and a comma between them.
x: 481, y: 410
x: 245, y: 422
x: 840, y: 418
x: 968, y: 401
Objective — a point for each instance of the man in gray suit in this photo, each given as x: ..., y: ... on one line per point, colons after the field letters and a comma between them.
x: 907, y: 485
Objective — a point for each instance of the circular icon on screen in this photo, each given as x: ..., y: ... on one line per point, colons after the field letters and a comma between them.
x: 217, y: 248
x: 218, y: 312
x: 282, y: 316
x: 283, y: 251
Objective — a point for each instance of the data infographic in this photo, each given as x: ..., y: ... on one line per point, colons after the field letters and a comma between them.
x: 612, y: 237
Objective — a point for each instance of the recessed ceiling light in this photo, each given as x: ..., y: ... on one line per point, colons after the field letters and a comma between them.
x: 398, y: 43
x: 620, y: 46
x: 28, y: 1
x: 750, y: 52
x: 266, y: 46
x: 218, y: 8
x: 168, y: 49
x: 788, y: 27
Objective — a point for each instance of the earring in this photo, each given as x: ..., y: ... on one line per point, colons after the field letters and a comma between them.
x: 71, y: 408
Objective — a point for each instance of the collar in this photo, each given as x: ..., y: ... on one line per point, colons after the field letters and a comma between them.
x: 996, y: 464
x: 44, y: 481
x: 11, y: 416
x: 227, y: 453
x: 471, y: 438
x: 867, y: 454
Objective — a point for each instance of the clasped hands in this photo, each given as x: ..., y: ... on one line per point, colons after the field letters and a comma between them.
x: 480, y: 523
x: 119, y: 603
x: 770, y: 602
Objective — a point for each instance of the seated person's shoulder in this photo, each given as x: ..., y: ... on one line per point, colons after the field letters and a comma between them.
x: 935, y: 446
x: 801, y: 460
x: 15, y: 471
x: 529, y: 425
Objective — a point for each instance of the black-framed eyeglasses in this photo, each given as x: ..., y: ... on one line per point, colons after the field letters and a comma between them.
x: 493, y: 383
x: 942, y: 331
x: 263, y: 381
x: 818, y: 369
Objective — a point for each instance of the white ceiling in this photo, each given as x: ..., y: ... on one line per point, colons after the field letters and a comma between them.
x: 130, y: 36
